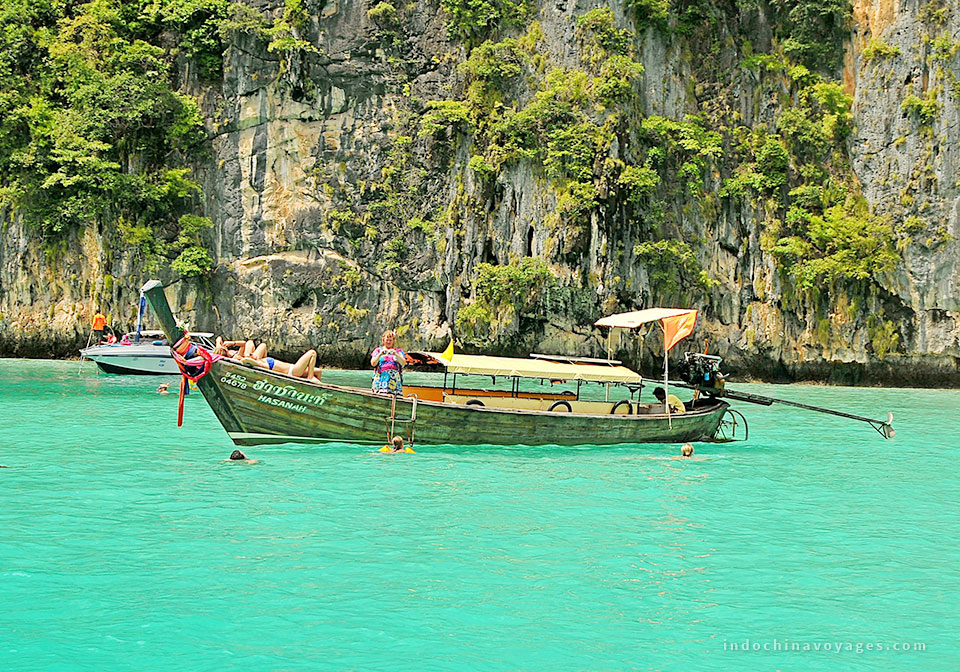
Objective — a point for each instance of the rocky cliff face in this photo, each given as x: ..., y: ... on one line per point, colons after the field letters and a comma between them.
x: 909, y: 166
x: 337, y: 215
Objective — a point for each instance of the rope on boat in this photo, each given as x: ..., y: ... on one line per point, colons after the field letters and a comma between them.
x: 193, y: 360
x: 194, y: 363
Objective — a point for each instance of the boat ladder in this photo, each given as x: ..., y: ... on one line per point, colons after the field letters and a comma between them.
x: 391, y: 420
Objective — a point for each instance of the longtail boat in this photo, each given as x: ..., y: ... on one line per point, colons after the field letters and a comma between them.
x: 259, y: 406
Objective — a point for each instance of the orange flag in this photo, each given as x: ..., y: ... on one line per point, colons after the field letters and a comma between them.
x: 677, y: 328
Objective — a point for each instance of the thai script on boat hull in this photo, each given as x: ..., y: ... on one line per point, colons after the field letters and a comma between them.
x: 286, y: 396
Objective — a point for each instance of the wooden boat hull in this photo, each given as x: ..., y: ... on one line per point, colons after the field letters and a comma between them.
x: 257, y: 406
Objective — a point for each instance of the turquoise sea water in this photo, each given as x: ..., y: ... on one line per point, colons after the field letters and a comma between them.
x: 127, y: 544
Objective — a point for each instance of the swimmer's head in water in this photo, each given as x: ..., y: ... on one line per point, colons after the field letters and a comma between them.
x: 237, y: 455
x: 686, y: 450
x: 397, y: 443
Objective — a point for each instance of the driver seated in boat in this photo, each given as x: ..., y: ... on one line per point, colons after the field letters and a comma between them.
x: 676, y: 405
x: 387, y: 362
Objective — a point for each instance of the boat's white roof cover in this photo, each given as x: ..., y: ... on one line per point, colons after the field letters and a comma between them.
x: 640, y: 317
x: 535, y: 368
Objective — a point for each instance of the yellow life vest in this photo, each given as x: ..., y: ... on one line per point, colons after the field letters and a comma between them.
x: 389, y: 449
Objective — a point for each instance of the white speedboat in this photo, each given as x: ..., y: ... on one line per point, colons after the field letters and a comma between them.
x: 150, y: 356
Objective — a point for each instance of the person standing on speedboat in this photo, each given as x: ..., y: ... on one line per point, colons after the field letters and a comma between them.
x: 99, y: 323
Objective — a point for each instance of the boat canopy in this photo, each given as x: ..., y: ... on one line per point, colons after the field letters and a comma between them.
x: 640, y: 317
x: 531, y: 368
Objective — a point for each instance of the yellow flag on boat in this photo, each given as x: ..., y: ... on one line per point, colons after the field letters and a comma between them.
x: 677, y: 328
x: 448, y: 353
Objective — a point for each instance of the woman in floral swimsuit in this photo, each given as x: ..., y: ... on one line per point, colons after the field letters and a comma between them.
x: 388, y: 365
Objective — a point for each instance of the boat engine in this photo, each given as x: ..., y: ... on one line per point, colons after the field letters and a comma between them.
x: 703, y: 372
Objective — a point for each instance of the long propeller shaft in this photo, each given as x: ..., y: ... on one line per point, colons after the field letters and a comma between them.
x: 885, y: 429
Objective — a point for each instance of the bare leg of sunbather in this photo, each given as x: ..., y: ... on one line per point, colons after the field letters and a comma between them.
x: 305, y: 367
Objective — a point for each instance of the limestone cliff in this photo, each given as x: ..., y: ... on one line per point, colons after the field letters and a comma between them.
x: 339, y: 210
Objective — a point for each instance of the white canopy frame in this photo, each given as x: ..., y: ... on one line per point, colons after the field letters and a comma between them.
x: 635, y: 320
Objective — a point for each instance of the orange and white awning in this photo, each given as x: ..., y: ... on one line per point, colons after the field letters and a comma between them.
x: 677, y: 323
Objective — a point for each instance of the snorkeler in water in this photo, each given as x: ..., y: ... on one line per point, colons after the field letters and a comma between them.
x: 238, y: 456
x: 396, y: 446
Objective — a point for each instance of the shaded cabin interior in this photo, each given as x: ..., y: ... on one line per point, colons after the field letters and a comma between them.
x: 547, y: 369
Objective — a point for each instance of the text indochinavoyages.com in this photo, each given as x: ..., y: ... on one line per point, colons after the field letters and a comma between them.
x: 789, y: 645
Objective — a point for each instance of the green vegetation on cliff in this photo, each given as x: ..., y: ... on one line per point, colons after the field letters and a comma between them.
x: 504, y: 295
x: 818, y: 227
x: 98, y: 130
x: 813, y: 31
x: 473, y: 20
x: 565, y: 120
x: 629, y: 148
x: 587, y: 133
x: 94, y: 131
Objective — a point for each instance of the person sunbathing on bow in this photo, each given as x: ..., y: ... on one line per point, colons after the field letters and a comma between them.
x: 239, y: 349
x: 305, y: 367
